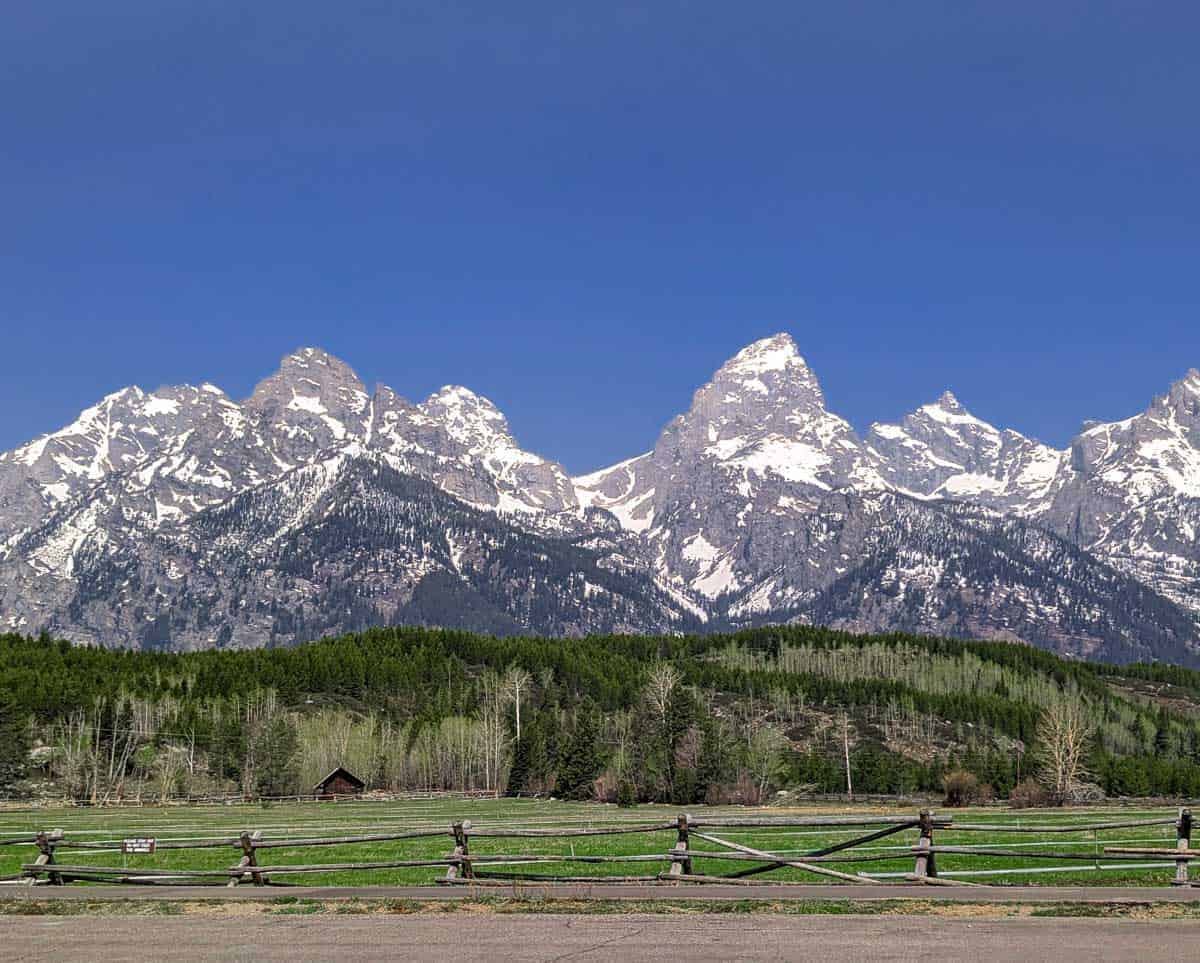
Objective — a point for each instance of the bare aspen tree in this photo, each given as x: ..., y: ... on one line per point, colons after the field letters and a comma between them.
x: 659, y: 687
x: 120, y: 751
x: 171, y: 767
x: 846, y: 752
x: 516, y: 686
x: 490, y: 728
x: 1063, y: 734
x: 623, y: 737
x: 72, y: 754
x: 763, y: 757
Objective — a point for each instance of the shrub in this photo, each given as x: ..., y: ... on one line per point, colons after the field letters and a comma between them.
x: 626, y: 794
x: 962, y: 788
x: 743, y: 792
x: 1086, y: 792
x: 1029, y: 794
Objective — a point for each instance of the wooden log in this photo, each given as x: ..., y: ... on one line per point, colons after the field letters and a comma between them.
x: 46, y: 843
x: 681, y: 862
x: 249, y: 861
x: 462, y: 838
x: 1013, y: 853
x: 784, y: 822
x: 861, y: 840
x: 462, y: 848
x: 31, y: 871
x: 1058, y: 827
x: 284, y: 869
x: 728, y: 880
x: 55, y: 836
x: 925, y: 862
x: 117, y: 845
x: 495, y: 859
x: 89, y: 871
x: 347, y: 840
x: 1163, y: 853
x: 455, y: 864
x: 233, y: 880
x: 599, y: 831
x: 938, y: 881
x: 166, y: 881
x: 232, y: 871
x: 779, y: 859
x: 769, y: 857
x: 821, y: 854
x: 1183, y: 834
x: 508, y: 879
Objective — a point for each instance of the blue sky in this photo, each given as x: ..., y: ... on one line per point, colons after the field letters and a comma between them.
x: 580, y: 210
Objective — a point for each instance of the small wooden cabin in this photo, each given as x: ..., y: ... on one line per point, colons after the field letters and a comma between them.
x: 339, y: 783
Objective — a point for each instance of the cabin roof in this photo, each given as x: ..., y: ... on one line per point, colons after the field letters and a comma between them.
x: 345, y: 774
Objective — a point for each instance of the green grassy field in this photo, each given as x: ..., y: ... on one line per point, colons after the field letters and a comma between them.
x: 306, y: 820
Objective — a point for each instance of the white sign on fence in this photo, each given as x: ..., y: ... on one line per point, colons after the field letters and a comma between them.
x: 138, y: 846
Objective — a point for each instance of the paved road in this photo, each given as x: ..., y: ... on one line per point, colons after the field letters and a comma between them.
x: 459, y: 937
x: 791, y: 891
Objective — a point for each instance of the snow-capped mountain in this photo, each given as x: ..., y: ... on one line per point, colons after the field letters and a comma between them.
x: 1131, y: 493
x: 941, y: 450
x: 716, y: 499
x: 462, y: 442
x: 183, y: 517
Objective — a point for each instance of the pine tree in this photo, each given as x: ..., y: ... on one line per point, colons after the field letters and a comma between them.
x: 518, y: 773
x: 275, y: 755
x: 14, y: 744
x: 581, y: 760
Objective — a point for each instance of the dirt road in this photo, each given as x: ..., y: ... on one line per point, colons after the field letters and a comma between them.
x: 460, y: 936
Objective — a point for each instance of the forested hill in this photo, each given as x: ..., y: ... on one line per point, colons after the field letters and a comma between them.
x: 679, y: 718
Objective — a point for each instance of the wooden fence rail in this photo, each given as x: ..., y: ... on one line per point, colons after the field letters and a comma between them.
x: 678, y: 858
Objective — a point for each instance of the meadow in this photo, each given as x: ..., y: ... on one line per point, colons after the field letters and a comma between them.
x: 306, y: 820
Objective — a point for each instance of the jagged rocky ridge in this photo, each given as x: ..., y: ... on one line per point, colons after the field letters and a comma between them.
x: 181, y: 517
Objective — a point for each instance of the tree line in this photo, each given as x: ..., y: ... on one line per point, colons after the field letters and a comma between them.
x: 681, y: 719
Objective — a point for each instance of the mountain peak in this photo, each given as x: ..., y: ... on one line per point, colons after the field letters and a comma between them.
x: 309, y: 373
x: 459, y: 404
x: 1188, y: 384
x: 319, y: 364
x: 457, y: 396
x: 949, y: 411
x: 1184, y: 400
x: 468, y: 417
x: 776, y: 353
x: 948, y: 402
x: 770, y: 368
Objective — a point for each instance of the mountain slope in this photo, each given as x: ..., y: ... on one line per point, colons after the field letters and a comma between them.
x: 346, y: 541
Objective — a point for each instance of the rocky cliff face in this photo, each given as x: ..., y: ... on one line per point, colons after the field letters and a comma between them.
x: 182, y: 517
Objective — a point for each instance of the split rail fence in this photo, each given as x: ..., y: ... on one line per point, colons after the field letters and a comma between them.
x: 696, y: 839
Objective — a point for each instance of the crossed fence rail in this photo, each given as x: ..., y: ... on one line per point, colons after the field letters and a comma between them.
x: 482, y: 869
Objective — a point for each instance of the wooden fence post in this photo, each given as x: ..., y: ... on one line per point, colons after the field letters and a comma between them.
x: 926, y: 865
x: 45, y: 844
x: 1183, y: 832
x: 681, y: 864
x: 462, y: 847
x: 247, y: 841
